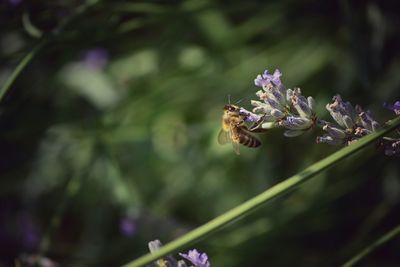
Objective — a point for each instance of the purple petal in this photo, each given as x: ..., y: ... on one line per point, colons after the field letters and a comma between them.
x: 198, y: 259
x: 395, y: 107
x: 266, y: 78
x: 249, y: 116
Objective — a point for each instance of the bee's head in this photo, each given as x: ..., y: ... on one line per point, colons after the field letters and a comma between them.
x: 231, y: 108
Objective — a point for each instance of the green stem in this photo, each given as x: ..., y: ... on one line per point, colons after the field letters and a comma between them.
x: 30, y: 55
x: 365, y: 252
x: 71, y: 190
x: 20, y: 67
x: 263, y: 198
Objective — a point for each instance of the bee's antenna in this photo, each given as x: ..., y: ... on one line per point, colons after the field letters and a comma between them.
x: 229, y: 99
x: 240, y: 100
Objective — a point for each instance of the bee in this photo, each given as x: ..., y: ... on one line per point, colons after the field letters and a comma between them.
x: 234, y: 130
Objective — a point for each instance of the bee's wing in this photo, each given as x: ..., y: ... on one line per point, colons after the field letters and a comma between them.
x: 236, y: 147
x: 224, y: 137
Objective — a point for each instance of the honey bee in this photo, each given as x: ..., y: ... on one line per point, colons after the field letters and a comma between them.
x: 234, y: 130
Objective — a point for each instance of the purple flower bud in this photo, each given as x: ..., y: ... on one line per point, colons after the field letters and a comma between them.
x: 334, y: 132
x: 301, y: 105
x: 274, y: 103
x: 258, y: 81
x: 395, y: 107
x: 335, y: 115
x: 341, y: 112
x: 261, y: 107
x: 367, y: 121
x: 271, y: 97
x: 311, y: 102
x: 296, y: 123
x: 249, y: 116
x: 198, y: 259
x: 375, y: 126
x: 276, y: 93
x: 266, y: 78
x: 347, y: 122
x: 277, y: 114
x: 258, y: 110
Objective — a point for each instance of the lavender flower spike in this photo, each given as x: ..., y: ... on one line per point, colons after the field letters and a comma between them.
x: 198, y: 259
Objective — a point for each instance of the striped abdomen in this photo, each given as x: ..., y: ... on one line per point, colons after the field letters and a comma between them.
x: 245, y: 138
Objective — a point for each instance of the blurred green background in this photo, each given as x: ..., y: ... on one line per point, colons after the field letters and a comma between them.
x: 108, y: 137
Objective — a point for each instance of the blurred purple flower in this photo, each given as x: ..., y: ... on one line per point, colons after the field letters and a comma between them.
x: 14, y: 2
x: 96, y: 58
x: 29, y: 233
x: 198, y: 259
x: 127, y: 226
x: 395, y: 107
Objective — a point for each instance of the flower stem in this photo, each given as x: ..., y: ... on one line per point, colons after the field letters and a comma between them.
x: 20, y: 67
x: 366, y: 251
x: 38, y: 47
x: 263, y: 198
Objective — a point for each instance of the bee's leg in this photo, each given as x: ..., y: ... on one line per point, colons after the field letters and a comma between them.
x: 256, y: 127
x: 258, y: 130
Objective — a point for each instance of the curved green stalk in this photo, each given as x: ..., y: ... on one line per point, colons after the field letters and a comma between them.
x: 29, y: 56
x: 20, y: 67
x: 71, y: 190
x: 263, y: 198
x: 365, y: 252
